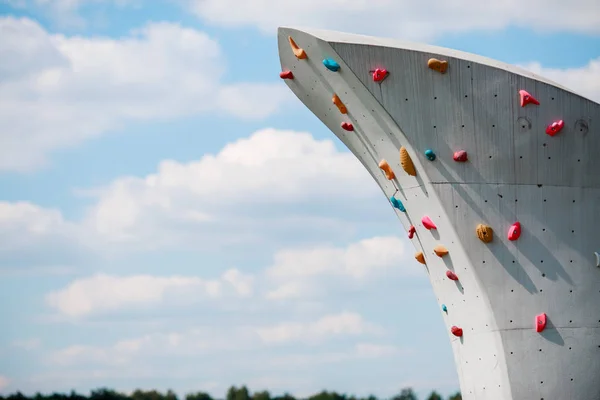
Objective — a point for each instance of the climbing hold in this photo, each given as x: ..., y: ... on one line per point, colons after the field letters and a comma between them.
x: 286, y: 75
x: 456, y: 331
x: 526, y: 98
x: 428, y: 223
x: 444, y: 308
x: 460, y: 156
x: 411, y: 231
x: 298, y: 52
x: 406, y: 162
x: 338, y: 103
x: 385, y: 167
x: 397, y: 204
x: 379, y: 74
x: 331, y: 64
x: 440, y: 250
x: 430, y: 154
x: 347, y: 126
x: 555, y: 127
x: 485, y: 233
x: 438, y: 65
x: 540, y: 322
x: 515, y: 231
x: 420, y: 257
x: 451, y: 275
x: 597, y: 259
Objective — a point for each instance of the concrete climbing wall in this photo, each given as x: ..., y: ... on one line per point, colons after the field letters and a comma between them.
x: 448, y: 140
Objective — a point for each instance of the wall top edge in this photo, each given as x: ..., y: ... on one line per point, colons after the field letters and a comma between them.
x: 351, y: 38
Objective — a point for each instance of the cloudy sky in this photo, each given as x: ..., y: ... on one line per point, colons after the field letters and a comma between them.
x: 172, y: 217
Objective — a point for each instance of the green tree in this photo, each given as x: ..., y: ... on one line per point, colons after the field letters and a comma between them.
x: 405, y: 394
x: 264, y: 395
x: 456, y: 396
x: 198, y: 396
x: 434, y: 396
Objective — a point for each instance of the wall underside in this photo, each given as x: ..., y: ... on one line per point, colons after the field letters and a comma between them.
x: 515, y: 172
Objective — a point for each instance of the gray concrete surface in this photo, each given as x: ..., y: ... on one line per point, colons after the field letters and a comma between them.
x: 515, y: 172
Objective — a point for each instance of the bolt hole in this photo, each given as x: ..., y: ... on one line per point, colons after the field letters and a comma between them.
x: 543, y: 275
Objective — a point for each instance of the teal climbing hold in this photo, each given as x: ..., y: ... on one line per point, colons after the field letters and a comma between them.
x: 331, y: 65
x: 397, y: 204
x: 444, y: 308
x: 430, y: 154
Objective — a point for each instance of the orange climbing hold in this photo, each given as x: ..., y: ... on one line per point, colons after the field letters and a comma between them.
x: 286, y: 75
x: 347, y: 126
x: 406, y: 162
x: 451, y: 275
x: 526, y: 98
x: 456, y: 331
x: 385, y: 167
x: 411, y: 232
x: 485, y: 233
x: 440, y: 250
x: 540, y: 322
x: 338, y: 103
x: 420, y: 257
x: 298, y: 52
x: 438, y: 65
x: 428, y: 223
x: 515, y: 231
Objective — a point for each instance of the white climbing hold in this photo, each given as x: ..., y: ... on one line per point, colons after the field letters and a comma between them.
x: 597, y: 259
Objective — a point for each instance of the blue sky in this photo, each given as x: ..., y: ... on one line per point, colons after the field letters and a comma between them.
x: 172, y: 217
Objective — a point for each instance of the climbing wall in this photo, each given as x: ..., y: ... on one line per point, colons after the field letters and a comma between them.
x: 494, y: 174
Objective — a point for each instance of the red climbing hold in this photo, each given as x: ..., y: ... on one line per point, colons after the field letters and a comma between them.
x: 460, y: 156
x: 555, y: 127
x: 411, y: 231
x: 526, y: 98
x: 456, y: 331
x: 428, y: 223
x: 515, y: 231
x: 347, y: 126
x: 380, y: 74
x: 540, y: 322
x: 451, y: 275
x: 286, y: 75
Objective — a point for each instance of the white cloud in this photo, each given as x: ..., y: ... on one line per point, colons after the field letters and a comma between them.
x: 346, y: 323
x: 27, y: 344
x: 224, y: 195
x: 56, y: 90
x: 4, y: 382
x: 404, y: 18
x: 108, y: 293
x: 584, y: 80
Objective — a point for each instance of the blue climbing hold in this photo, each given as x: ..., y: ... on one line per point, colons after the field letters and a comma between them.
x: 444, y: 308
x: 331, y: 64
x: 430, y: 154
x: 397, y: 204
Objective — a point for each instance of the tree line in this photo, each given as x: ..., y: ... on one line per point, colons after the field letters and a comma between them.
x: 234, y: 393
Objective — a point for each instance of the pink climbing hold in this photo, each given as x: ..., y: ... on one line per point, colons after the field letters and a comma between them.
x: 380, y: 74
x: 456, y: 331
x: 515, y: 231
x: 540, y: 322
x: 347, y: 126
x: 555, y: 127
x: 286, y: 75
x: 411, y: 231
x: 428, y: 223
x: 451, y: 275
x: 460, y: 156
x: 526, y: 98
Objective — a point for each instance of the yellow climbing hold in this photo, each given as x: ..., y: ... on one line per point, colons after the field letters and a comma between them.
x: 338, y: 103
x: 406, y: 162
x: 440, y: 250
x: 485, y: 233
x: 420, y: 257
x: 298, y: 52
x: 385, y: 167
x: 438, y: 65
